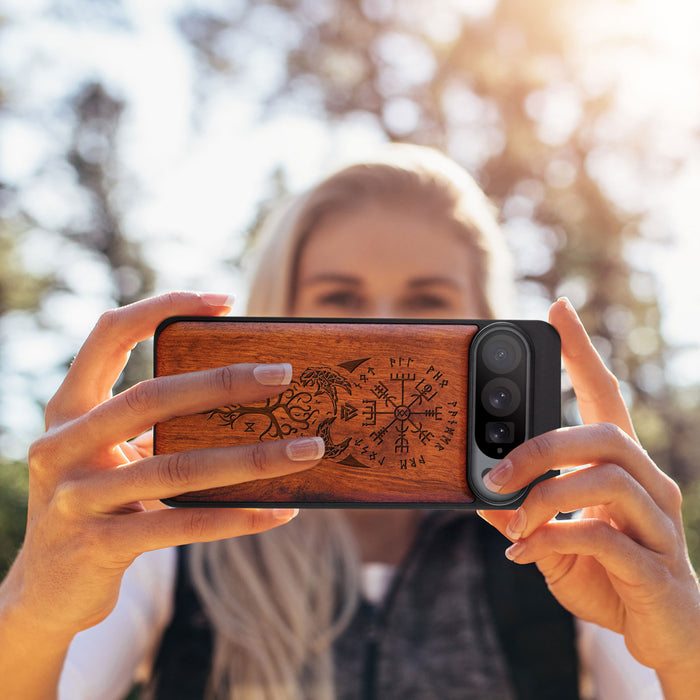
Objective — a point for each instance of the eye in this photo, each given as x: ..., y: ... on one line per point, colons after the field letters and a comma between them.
x: 427, y: 302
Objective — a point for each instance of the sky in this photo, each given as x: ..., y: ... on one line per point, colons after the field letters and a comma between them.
x: 188, y: 186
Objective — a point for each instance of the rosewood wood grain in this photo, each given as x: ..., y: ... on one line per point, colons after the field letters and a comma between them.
x: 389, y: 400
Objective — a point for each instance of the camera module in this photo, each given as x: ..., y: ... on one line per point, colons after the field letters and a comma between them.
x: 501, y: 396
x: 505, y: 359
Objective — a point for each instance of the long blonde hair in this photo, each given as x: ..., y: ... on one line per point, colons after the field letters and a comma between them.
x: 277, y: 600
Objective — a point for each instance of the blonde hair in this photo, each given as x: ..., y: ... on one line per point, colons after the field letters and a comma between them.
x: 277, y: 600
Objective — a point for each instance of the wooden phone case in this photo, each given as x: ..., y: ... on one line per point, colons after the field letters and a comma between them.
x: 389, y: 399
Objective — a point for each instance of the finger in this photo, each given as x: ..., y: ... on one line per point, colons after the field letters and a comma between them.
x: 497, y: 518
x: 596, y: 388
x: 606, y: 486
x: 143, y: 444
x: 618, y: 554
x: 138, y: 448
x: 156, y: 400
x: 583, y: 444
x: 105, y: 352
x: 165, y: 476
x: 156, y: 529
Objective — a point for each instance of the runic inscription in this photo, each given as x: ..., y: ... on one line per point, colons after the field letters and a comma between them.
x: 370, y: 411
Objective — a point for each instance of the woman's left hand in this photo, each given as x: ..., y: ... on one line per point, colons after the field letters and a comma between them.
x: 623, y: 564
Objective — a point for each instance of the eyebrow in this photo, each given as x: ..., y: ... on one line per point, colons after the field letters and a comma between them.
x: 351, y: 280
x: 333, y: 277
x: 432, y: 281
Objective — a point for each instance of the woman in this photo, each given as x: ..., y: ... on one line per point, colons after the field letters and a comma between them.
x: 276, y: 601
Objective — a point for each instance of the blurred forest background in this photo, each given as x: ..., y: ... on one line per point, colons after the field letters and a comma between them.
x: 580, y: 119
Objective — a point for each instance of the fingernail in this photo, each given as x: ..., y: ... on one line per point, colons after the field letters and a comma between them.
x: 515, y: 550
x: 218, y: 299
x: 569, y: 306
x: 303, y: 449
x: 516, y: 525
x: 273, y: 375
x: 499, y: 476
x: 285, y: 514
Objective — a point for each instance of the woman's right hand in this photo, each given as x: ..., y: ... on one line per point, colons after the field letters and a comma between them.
x: 88, y: 513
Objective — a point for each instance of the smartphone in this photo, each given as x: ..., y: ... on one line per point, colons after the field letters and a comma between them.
x: 413, y: 413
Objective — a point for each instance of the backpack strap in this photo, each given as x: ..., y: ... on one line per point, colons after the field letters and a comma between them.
x: 536, y: 633
x: 183, y: 664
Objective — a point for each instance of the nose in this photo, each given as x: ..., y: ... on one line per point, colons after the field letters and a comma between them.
x: 383, y: 308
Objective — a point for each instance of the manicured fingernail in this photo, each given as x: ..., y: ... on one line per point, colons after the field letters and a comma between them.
x: 499, y: 476
x: 304, y: 449
x: 515, y: 550
x: 516, y: 525
x: 285, y: 514
x: 274, y: 375
x: 218, y: 299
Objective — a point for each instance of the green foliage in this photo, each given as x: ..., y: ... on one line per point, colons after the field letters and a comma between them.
x: 14, y: 483
x: 18, y: 289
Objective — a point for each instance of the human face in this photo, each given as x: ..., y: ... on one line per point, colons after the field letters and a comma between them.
x: 385, y: 261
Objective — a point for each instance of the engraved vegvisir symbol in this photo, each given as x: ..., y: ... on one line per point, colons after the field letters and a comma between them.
x: 370, y: 412
x: 407, y: 411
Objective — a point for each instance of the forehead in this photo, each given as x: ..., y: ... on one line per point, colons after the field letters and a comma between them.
x: 380, y: 238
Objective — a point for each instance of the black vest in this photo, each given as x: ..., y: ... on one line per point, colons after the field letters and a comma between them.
x: 534, y: 634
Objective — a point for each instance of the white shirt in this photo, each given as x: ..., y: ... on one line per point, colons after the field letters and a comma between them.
x: 104, y: 661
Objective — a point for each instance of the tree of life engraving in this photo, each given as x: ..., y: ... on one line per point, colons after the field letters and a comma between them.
x: 370, y: 412
x: 295, y: 410
x: 281, y: 416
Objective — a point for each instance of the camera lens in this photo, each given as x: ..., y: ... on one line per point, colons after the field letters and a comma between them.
x: 502, y: 353
x: 500, y: 396
x: 499, y: 432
